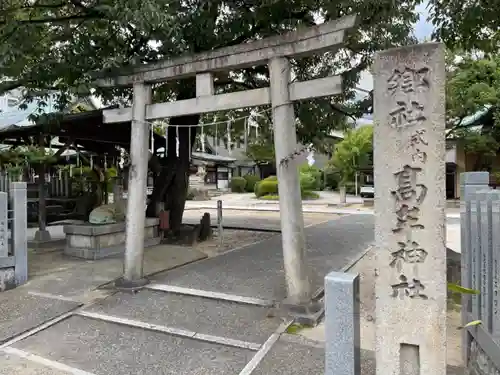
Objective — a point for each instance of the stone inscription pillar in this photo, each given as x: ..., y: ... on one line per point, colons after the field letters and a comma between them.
x: 409, y: 170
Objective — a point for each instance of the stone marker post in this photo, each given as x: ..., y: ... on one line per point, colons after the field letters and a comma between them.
x: 342, y: 324
x: 18, y: 196
x: 4, y: 229
x: 409, y: 171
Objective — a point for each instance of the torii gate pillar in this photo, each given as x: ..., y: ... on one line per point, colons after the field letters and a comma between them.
x: 137, y: 190
x: 298, y: 278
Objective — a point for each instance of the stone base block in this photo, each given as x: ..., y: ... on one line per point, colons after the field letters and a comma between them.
x: 308, y: 314
x: 100, y: 241
x: 7, y: 279
x: 42, y: 236
x: 130, y: 286
x: 368, y: 202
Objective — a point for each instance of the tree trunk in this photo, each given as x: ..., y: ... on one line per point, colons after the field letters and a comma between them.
x: 343, y: 194
x: 172, y: 183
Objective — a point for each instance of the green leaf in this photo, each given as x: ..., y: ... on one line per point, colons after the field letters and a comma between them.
x: 460, y: 289
x: 56, y: 46
x: 472, y: 324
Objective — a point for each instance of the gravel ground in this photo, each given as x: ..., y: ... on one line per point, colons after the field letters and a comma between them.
x: 365, y: 269
x: 232, y: 239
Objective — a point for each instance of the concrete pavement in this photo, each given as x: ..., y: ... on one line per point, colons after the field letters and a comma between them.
x: 270, y: 221
x: 215, y: 316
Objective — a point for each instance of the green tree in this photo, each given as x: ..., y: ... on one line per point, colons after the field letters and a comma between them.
x: 468, y: 25
x: 58, y: 44
x: 473, y: 87
x: 352, y: 153
x: 261, y: 152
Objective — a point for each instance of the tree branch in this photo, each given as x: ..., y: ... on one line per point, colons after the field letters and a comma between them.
x: 10, y: 85
x: 57, y: 19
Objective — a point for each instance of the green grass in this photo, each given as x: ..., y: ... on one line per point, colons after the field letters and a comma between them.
x: 295, y: 328
x: 271, y: 197
x: 306, y: 195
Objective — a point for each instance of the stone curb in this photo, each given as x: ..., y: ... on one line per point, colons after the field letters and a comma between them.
x: 305, y: 210
x: 276, y: 209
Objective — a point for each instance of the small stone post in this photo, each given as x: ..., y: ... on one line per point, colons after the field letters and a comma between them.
x: 297, y: 275
x: 409, y: 171
x: 342, y: 324
x: 137, y: 189
x: 4, y: 227
x: 19, y: 199
x: 42, y: 234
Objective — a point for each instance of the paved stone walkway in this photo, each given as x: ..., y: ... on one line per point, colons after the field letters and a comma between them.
x: 214, y: 316
x: 256, y: 220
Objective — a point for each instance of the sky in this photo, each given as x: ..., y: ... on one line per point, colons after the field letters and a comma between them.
x: 423, y: 29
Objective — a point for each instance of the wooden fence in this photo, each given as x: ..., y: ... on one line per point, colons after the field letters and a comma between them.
x: 480, y: 247
x: 58, y: 184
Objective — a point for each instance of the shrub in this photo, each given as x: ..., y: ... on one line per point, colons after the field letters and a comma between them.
x: 350, y: 188
x: 332, y: 179
x: 271, y: 178
x: 267, y: 188
x: 307, y: 182
x: 238, y: 184
x: 315, y: 172
x: 309, y: 195
x: 256, y: 188
x: 306, y: 195
x: 251, y: 180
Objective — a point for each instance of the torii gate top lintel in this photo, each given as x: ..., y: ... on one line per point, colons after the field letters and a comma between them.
x: 302, y: 42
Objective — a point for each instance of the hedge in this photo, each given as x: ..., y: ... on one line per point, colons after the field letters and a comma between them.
x: 332, y: 179
x: 315, y: 173
x: 271, y: 178
x: 309, y: 195
x: 305, y: 195
x: 238, y: 184
x: 266, y: 188
x: 251, y: 180
x: 256, y: 188
x: 307, y: 182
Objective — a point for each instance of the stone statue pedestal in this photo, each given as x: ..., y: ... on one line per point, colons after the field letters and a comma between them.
x: 89, y: 241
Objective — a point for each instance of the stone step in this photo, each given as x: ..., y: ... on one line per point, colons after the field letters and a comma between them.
x: 102, y: 348
x: 205, y: 316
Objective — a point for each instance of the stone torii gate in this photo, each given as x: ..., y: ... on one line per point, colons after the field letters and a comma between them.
x: 273, y: 51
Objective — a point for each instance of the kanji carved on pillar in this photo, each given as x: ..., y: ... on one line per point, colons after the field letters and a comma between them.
x: 407, y: 113
x: 408, y: 80
x: 409, y: 196
x: 411, y: 289
x: 408, y: 252
x: 417, y: 145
